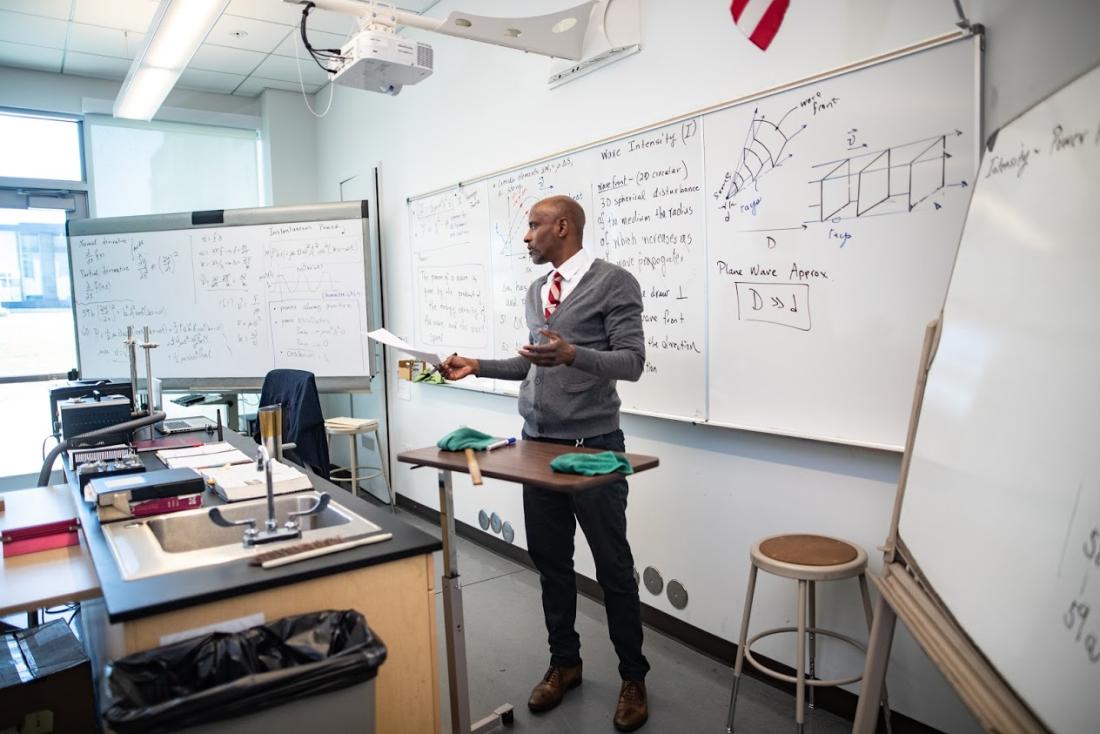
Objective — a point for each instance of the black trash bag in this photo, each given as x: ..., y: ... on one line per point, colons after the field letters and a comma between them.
x: 222, y: 675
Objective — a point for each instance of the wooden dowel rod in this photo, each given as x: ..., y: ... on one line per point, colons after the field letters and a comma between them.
x: 475, y: 470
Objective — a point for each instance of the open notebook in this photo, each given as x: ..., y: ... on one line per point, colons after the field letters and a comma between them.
x: 244, y: 482
x: 200, y: 457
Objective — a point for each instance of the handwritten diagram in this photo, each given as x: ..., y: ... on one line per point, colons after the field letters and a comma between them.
x: 446, y: 221
x: 764, y: 149
x: 894, y: 180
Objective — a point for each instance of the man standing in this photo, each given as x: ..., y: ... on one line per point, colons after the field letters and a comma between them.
x: 585, y: 323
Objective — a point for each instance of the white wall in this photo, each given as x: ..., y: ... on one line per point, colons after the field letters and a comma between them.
x: 1033, y: 49
x: 717, y: 490
x: 289, y: 138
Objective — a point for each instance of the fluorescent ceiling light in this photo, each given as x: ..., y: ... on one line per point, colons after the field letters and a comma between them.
x: 177, y: 30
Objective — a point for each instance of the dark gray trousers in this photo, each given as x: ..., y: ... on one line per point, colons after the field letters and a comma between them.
x: 551, y: 520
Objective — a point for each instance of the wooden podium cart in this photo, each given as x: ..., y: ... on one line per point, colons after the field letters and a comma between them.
x: 528, y: 462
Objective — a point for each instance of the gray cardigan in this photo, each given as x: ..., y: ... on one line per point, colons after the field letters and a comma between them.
x: 602, y: 317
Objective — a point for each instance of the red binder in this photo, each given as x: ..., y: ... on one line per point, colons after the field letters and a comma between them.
x: 38, y: 519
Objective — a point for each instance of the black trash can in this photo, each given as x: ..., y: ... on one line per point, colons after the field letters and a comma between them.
x: 316, y: 667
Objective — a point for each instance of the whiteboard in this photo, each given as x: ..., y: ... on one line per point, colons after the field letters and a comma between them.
x: 227, y: 295
x: 790, y: 248
x: 1002, y: 507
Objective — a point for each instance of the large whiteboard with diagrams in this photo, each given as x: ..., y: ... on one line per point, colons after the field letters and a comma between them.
x: 227, y: 295
x: 1001, y: 511
x: 790, y: 247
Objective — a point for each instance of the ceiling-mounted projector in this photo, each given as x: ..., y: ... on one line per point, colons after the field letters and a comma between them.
x: 379, y: 61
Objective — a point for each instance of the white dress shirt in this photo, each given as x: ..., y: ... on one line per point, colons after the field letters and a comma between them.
x: 572, y: 270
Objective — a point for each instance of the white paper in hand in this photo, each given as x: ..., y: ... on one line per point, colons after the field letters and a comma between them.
x: 390, y: 340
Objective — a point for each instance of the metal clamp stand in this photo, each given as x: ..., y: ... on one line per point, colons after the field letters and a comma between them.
x: 130, y: 342
x: 454, y: 626
x: 147, y: 346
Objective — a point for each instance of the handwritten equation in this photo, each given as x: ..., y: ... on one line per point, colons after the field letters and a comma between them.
x: 226, y: 301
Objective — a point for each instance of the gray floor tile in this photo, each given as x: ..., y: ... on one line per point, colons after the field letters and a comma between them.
x: 507, y: 655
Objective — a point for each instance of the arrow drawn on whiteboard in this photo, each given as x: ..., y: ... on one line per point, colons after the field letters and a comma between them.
x: 774, y: 229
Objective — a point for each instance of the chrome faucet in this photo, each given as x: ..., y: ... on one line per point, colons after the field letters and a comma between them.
x: 271, y: 531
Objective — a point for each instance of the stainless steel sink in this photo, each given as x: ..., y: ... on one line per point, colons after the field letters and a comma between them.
x: 183, y: 540
x: 188, y: 531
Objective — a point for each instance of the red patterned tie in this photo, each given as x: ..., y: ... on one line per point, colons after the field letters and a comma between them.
x: 554, y: 296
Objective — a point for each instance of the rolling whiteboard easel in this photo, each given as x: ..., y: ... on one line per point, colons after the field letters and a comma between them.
x: 996, y: 541
x: 790, y: 247
x: 228, y: 295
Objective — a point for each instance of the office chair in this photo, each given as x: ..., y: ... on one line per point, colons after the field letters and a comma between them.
x: 303, y: 423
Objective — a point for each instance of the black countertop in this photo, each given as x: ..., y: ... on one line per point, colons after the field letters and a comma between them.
x: 129, y: 600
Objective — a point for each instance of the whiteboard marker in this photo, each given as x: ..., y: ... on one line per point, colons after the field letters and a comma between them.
x: 501, y: 443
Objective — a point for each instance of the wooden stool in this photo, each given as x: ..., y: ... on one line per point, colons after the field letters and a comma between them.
x: 808, y: 559
x: 355, y: 472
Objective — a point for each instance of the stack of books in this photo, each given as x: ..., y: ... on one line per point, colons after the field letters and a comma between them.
x: 142, y: 495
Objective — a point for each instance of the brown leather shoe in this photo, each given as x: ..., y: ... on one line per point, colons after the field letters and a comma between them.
x: 551, y: 690
x: 632, y: 711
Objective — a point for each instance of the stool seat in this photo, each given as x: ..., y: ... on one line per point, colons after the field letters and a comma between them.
x: 356, y: 473
x: 334, y: 426
x: 809, y: 557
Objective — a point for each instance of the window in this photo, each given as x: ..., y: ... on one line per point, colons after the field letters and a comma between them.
x: 41, y: 184
x: 33, y: 146
x: 158, y: 167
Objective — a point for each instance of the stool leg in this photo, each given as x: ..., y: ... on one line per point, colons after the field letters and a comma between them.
x: 382, y: 467
x: 870, y: 625
x: 740, y: 660
x: 354, y: 471
x: 800, y: 654
x: 813, y: 638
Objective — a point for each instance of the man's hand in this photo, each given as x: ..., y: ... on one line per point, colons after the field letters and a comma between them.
x: 456, y: 367
x: 554, y: 351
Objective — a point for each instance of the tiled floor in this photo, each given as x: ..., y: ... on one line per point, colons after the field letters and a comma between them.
x: 506, y: 651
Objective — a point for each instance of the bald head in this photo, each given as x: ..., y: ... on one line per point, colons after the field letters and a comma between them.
x: 554, y: 230
x: 565, y: 207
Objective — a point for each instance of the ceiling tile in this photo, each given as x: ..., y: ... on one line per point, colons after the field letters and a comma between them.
x: 286, y: 69
x: 258, y: 35
x: 104, y: 67
x: 132, y: 15
x: 30, y: 57
x: 275, y: 11
x: 49, y: 8
x: 253, y: 85
x: 317, y: 39
x: 93, y: 39
x: 278, y: 11
x: 33, y: 30
x: 209, y: 81
x: 227, y: 60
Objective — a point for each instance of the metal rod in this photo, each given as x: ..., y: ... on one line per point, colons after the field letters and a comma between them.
x: 800, y: 654
x: 132, y: 354
x: 148, y: 346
